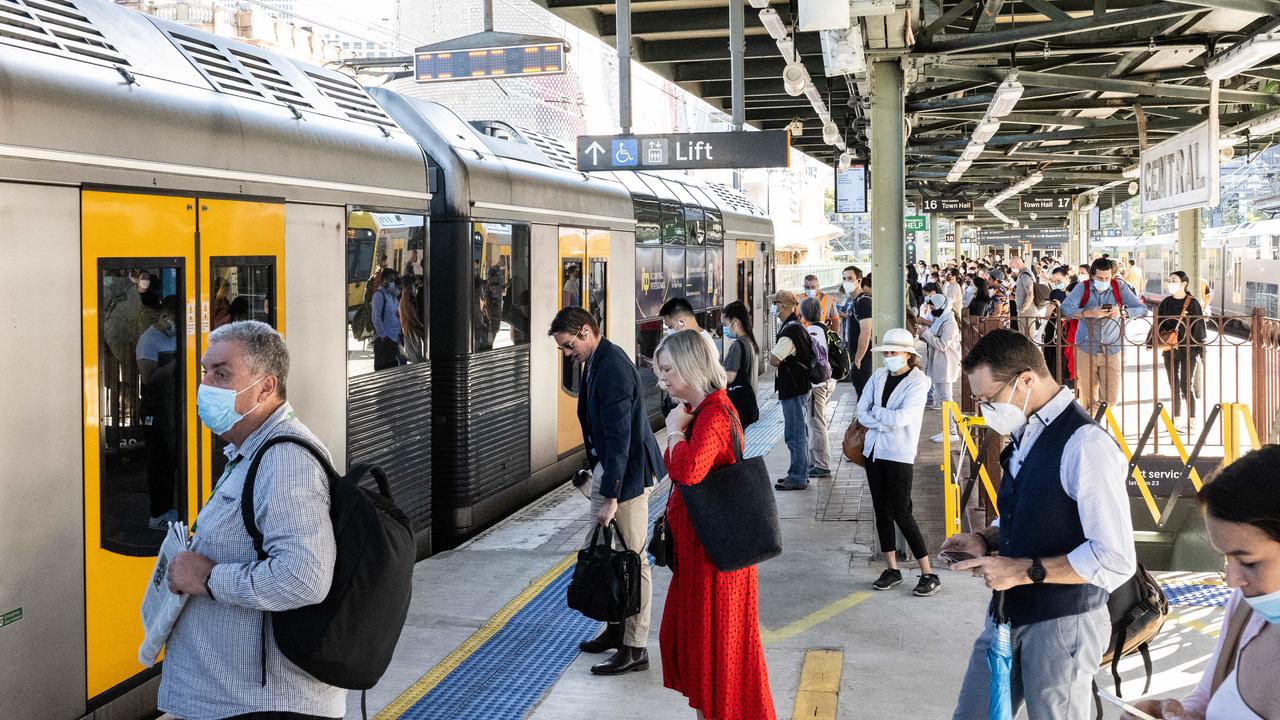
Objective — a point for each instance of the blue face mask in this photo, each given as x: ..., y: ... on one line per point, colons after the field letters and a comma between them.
x: 1268, y: 606
x: 217, y: 407
x: 773, y: 310
x: 728, y: 332
x: 1101, y: 285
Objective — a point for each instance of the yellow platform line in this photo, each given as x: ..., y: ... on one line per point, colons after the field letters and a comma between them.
x: 819, y: 691
x: 769, y: 637
x: 499, y: 620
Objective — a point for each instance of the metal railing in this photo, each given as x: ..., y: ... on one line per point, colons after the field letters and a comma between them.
x: 1238, y: 362
x: 791, y: 277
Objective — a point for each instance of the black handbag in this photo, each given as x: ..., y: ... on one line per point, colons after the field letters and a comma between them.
x: 740, y: 393
x: 733, y: 511
x: 606, y: 582
x: 662, y: 545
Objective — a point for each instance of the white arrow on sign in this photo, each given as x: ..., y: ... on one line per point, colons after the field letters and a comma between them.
x: 594, y: 150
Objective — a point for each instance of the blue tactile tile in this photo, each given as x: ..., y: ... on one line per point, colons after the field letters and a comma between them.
x: 1197, y: 595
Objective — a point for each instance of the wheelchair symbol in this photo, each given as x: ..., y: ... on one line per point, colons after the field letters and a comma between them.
x: 626, y: 153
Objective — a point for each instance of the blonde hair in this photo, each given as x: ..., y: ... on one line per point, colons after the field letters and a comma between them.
x: 693, y: 360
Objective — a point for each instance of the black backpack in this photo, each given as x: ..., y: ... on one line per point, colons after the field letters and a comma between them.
x: 838, y: 356
x: 1138, y: 610
x: 347, y: 639
x: 1040, y: 294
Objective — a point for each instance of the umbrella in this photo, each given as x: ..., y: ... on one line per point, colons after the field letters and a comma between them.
x: 1000, y: 662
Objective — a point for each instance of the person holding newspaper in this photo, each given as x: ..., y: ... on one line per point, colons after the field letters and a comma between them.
x: 214, y: 666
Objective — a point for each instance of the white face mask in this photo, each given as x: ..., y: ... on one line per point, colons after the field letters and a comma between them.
x: 1006, y: 418
x: 1173, y: 287
x: 895, y: 363
x: 1082, y: 277
x: 810, y: 292
x: 848, y: 287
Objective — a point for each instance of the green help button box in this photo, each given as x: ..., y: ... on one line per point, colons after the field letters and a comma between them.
x: 917, y: 223
x: 11, y: 617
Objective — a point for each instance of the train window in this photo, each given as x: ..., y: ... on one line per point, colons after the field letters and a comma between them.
x: 648, y: 335
x: 696, y: 277
x: 651, y: 282
x: 243, y: 289
x: 674, y: 229
x: 710, y: 321
x: 598, y: 277
x: 648, y: 220
x: 715, y: 276
x: 386, y: 299
x: 500, y: 288
x: 141, y: 401
x: 573, y: 258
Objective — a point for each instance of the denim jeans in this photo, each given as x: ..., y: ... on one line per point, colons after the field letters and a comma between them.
x: 796, y: 434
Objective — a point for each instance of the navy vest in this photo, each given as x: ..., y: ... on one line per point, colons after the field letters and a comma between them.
x: 1038, y: 519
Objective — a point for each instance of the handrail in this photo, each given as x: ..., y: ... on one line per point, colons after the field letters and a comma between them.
x: 954, y: 499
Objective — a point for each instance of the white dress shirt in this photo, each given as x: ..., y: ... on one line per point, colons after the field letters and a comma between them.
x: 1093, y: 472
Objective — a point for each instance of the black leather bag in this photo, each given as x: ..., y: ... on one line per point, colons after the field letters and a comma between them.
x: 740, y: 392
x: 733, y: 511
x: 606, y: 582
x: 662, y: 545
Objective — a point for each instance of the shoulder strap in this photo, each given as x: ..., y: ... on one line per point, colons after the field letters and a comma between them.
x: 735, y: 432
x: 1115, y: 288
x: 1084, y: 297
x: 1231, y: 643
x: 250, y: 480
x: 744, y: 357
x: 1186, y: 303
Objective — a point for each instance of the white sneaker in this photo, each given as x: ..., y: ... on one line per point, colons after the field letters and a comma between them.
x: 938, y: 438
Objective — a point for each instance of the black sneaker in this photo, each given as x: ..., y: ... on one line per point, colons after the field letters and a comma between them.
x: 817, y: 472
x: 888, y: 579
x: 928, y: 585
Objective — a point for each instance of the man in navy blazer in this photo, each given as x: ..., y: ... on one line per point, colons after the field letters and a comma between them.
x: 625, y: 462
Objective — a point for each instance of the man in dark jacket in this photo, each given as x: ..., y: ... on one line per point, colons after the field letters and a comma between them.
x: 792, y: 355
x: 625, y: 462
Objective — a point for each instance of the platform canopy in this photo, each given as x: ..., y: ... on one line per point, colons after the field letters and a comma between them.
x: 1095, y: 75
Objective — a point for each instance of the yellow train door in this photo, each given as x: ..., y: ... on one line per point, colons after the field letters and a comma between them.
x: 147, y: 283
x: 584, y: 282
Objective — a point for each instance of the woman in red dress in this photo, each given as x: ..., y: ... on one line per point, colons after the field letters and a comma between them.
x: 710, y: 635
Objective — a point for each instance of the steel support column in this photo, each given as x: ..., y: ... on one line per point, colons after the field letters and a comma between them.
x: 1189, y: 250
x: 736, y: 22
x: 958, y: 228
x: 933, y: 239
x: 888, y: 199
x: 624, y: 65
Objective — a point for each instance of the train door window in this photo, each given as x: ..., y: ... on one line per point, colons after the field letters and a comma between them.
x: 648, y: 335
x: 243, y: 289
x: 141, y: 401
x: 598, y: 278
x: 386, y: 301
x: 500, y: 288
x: 573, y: 259
x: 715, y: 276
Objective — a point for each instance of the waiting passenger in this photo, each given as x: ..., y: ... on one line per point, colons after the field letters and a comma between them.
x: 742, y: 362
x: 677, y: 314
x: 157, y: 361
x: 819, y: 395
x: 386, y: 321
x: 1180, y: 317
x: 1099, y: 345
x: 792, y: 355
x: 827, y: 313
x: 892, y: 410
x: 1065, y: 537
x: 1242, y: 514
x: 942, y: 354
x: 859, y: 348
x: 213, y: 666
x: 625, y: 462
x: 710, y: 636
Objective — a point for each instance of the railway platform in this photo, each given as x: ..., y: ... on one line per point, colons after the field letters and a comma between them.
x: 489, y: 635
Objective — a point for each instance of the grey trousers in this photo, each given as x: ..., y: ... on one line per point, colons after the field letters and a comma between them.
x: 1054, y: 662
x: 633, y: 520
x: 819, y: 439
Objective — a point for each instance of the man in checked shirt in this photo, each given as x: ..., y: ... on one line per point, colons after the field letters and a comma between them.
x: 214, y: 666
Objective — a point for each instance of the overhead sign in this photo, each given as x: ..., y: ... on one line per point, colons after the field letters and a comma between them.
x: 685, y: 151
x: 946, y: 205
x: 1051, y: 203
x: 851, y: 189
x: 917, y: 223
x: 1039, y: 236
x: 1180, y: 173
x: 489, y: 62
x: 1109, y: 233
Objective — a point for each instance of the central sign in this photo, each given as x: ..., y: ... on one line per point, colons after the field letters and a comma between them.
x: 685, y: 151
x: 946, y: 205
x: 1180, y: 173
x: 1050, y: 203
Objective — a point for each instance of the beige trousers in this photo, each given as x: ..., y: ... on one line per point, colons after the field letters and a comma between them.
x: 1097, y: 379
x: 633, y: 520
x: 819, y: 439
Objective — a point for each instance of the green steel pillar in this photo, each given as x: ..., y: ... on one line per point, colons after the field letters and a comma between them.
x: 1189, y: 251
x: 888, y: 199
x: 933, y: 239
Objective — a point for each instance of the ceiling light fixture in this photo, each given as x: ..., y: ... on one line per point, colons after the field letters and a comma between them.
x: 842, y: 52
x: 845, y: 160
x: 1006, y: 96
x: 796, y: 128
x: 773, y: 23
x: 760, y: 4
x: 830, y: 133
x: 794, y: 78
x: 972, y: 151
x: 986, y: 130
x: 1246, y: 55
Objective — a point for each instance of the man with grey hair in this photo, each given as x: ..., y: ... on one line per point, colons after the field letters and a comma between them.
x: 214, y: 665
x: 819, y: 445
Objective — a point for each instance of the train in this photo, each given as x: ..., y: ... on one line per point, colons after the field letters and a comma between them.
x: 1241, y: 264
x: 164, y: 172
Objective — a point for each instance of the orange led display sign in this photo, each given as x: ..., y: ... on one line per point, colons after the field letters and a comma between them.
x: 475, y: 63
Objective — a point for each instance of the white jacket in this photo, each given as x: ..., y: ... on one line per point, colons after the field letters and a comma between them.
x: 893, y: 430
x: 942, y: 354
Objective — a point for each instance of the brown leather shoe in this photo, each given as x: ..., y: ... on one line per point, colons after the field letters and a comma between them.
x: 609, y: 639
x: 627, y: 659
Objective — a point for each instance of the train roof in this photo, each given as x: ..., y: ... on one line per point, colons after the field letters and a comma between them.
x: 97, y: 93
x: 1227, y: 235
x: 499, y: 174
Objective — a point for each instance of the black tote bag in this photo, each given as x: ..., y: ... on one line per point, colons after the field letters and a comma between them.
x: 606, y: 582
x: 740, y: 392
x: 733, y: 511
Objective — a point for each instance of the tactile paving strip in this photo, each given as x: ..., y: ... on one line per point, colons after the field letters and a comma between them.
x: 1197, y: 595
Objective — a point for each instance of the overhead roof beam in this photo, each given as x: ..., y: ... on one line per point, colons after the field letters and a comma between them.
x: 950, y: 16
x: 671, y: 51
x: 755, y: 68
x: 984, y: 16
x: 1268, y: 8
x: 1089, y: 84
x: 1046, y: 30
x: 683, y: 21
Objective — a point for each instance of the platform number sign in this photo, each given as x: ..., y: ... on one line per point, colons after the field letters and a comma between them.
x: 1045, y: 203
x: 946, y: 205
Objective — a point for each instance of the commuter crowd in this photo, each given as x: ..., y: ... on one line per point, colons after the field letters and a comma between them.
x: 1062, y: 544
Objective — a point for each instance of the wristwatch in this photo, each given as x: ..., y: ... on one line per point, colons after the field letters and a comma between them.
x: 1036, y: 572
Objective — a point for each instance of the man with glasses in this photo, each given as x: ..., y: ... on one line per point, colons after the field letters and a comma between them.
x: 1064, y: 534
x: 626, y: 461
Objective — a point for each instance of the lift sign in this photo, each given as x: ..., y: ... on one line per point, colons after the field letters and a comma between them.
x: 685, y: 151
